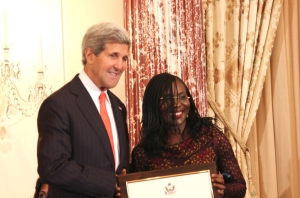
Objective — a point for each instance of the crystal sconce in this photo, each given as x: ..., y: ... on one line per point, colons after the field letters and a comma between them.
x: 10, y: 73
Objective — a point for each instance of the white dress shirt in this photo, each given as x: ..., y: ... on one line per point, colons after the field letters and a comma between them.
x: 95, y: 92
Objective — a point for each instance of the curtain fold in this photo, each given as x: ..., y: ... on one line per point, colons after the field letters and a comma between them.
x: 239, y: 40
x: 167, y: 36
x: 275, y: 135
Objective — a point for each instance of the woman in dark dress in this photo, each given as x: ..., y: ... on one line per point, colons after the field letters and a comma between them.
x: 173, y: 135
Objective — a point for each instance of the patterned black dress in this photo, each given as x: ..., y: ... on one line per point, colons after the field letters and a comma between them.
x: 211, y: 146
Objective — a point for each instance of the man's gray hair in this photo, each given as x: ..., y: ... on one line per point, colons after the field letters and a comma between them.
x: 99, y: 34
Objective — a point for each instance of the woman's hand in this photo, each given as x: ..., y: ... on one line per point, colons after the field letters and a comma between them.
x: 118, y: 189
x: 218, y: 182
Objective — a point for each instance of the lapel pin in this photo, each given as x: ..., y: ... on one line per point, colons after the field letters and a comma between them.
x: 120, y: 108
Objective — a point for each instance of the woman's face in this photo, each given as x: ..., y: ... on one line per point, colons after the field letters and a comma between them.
x: 180, y: 108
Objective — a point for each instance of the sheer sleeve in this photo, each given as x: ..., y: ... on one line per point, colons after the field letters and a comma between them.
x: 227, y: 163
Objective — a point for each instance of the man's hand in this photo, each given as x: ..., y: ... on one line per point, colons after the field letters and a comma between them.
x: 118, y: 189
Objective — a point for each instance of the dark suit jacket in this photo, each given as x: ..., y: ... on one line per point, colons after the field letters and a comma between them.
x: 74, y: 152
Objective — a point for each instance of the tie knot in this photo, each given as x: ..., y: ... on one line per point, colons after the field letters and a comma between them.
x: 102, y: 96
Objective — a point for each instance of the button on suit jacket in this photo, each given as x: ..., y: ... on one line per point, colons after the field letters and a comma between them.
x: 74, y: 152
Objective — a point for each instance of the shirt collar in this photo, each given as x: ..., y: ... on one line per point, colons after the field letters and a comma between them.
x: 90, y: 86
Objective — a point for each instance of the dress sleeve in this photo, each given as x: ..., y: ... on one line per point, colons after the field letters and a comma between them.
x: 139, y: 160
x: 235, y: 187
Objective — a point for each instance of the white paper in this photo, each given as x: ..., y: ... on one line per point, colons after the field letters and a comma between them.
x: 193, y: 184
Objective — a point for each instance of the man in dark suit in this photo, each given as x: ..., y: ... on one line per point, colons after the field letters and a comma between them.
x: 76, y: 157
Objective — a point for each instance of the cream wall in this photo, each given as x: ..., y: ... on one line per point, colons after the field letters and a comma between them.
x: 52, y: 31
x: 77, y: 17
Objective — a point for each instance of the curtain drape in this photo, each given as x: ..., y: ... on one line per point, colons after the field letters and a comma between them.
x: 239, y: 41
x: 274, y: 140
x: 167, y: 36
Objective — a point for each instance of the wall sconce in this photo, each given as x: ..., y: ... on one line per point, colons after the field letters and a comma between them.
x: 10, y: 71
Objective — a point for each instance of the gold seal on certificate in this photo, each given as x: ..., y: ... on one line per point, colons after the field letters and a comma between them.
x: 187, y: 181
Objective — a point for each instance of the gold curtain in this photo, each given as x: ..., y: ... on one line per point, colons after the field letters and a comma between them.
x: 239, y: 41
x: 274, y: 140
x: 167, y: 36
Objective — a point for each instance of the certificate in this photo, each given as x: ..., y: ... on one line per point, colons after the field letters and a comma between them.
x: 188, y: 181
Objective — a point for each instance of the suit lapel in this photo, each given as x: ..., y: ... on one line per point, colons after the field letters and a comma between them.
x: 91, y: 114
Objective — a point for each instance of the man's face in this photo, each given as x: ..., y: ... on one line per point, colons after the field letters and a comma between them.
x: 106, y: 69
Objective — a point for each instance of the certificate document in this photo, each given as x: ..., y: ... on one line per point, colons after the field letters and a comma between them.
x: 195, y: 184
x: 189, y: 181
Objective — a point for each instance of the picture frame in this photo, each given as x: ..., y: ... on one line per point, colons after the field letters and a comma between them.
x: 187, y: 181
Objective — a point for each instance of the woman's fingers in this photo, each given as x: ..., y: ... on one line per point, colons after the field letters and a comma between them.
x: 218, y: 182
